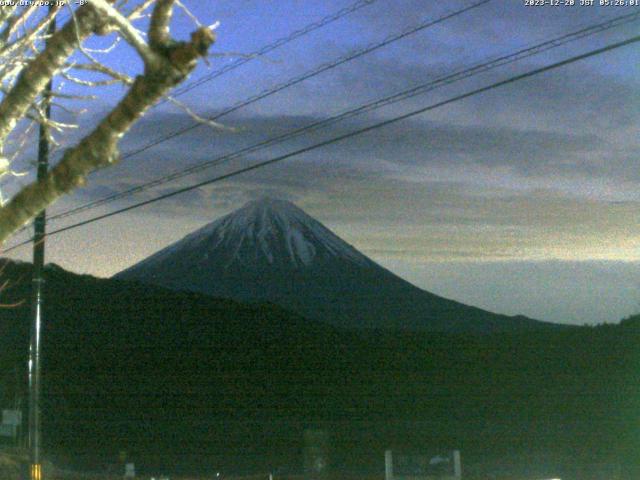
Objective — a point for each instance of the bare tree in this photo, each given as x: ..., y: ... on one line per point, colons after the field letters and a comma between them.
x: 27, y: 64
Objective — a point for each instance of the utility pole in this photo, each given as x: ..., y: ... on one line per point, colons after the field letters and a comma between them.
x: 35, y: 462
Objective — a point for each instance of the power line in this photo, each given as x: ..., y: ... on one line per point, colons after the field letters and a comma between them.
x: 414, y: 91
x: 305, y: 76
x: 276, y: 44
x: 307, y: 29
x: 346, y: 136
x: 310, y: 74
x: 263, y: 50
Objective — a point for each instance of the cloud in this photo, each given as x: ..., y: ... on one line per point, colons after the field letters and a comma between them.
x: 412, y: 147
x: 378, y: 194
x: 541, y: 169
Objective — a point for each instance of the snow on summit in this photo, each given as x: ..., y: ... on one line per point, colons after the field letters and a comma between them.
x: 268, y: 229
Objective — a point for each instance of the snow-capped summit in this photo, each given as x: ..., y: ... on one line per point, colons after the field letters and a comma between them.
x: 265, y: 230
x: 271, y: 250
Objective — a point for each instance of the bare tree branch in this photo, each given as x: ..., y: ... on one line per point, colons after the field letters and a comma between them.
x: 138, y: 12
x: 39, y: 71
x: 159, y: 29
x: 100, y: 148
x: 128, y: 32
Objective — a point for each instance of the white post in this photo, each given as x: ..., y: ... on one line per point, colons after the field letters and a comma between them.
x: 388, y: 465
x: 457, y: 465
x: 129, y: 470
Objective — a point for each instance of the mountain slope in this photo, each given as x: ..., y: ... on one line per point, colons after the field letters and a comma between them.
x: 157, y: 371
x: 189, y: 384
x: 270, y: 250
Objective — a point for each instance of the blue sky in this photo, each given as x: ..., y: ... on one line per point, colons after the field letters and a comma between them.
x: 520, y: 200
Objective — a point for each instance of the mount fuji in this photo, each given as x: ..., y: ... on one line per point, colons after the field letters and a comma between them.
x: 272, y: 251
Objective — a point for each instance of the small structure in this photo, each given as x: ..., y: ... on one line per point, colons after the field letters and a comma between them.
x: 129, y: 470
x: 11, y: 421
x: 423, y: 467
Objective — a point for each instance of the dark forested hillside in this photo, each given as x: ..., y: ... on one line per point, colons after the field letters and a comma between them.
x: 193, y: 381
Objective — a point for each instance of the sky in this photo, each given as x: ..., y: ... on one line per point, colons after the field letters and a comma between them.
x: 521, y: 200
